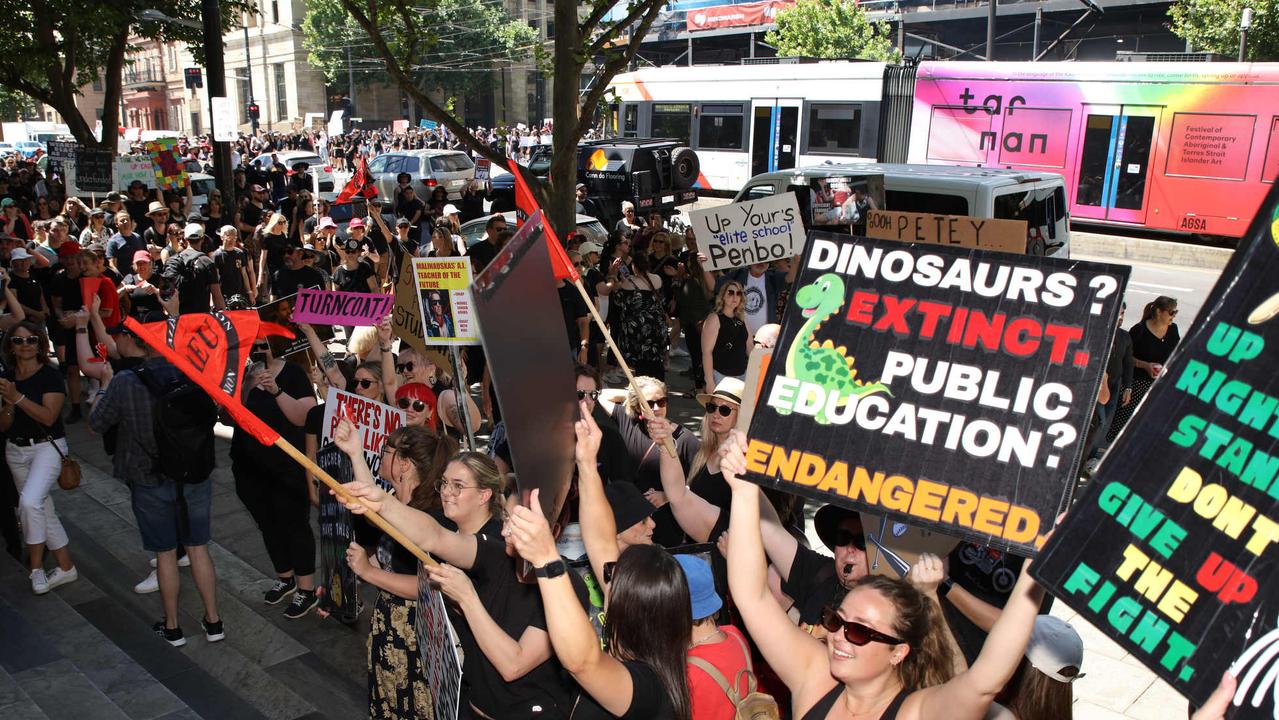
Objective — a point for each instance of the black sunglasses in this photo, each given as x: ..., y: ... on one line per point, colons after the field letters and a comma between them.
x: 26, y: 340
x: 658, y: 402
x: 592, y: 394
x: 405, y: 403
x: 365, y: 383
x: 844, y: 537
x: 405, y: 367
x: 724, y: 410
x: 855, y: 632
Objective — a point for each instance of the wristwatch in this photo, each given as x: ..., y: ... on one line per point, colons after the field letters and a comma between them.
x: 943, y: 589
x: 552, y: 569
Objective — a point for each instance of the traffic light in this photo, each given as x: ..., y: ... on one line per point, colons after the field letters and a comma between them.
x: 253, y: 111
x: 194, y: 78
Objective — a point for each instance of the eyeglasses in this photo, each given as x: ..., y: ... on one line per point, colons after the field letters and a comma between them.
x: 855, y: 632
x: 25, y: 340
x: 365, y: 383
x: 843, y: 538
x: 732, y: 292
x: 406, y: 403
x: 453, y: 488
x: 658, y: 402
x: 724, y: 410
x: 404, y: 367
x: 592, y: 394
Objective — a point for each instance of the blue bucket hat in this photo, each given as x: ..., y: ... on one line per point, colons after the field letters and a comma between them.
x: 701, y: 586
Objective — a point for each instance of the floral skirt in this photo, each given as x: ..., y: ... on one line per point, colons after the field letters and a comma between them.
x: 397, y: 685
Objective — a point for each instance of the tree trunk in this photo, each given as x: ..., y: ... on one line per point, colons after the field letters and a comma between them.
x: 113, y: 76
x: 561, y: 195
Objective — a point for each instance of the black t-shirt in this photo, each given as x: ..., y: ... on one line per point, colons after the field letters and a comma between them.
x: 646, y: 458
x: 193, y: 272
x: 150, y: 237
x: 812, y: 584
x: 275, y: 246
x: 286, y: 282
x: 45, y: 380
x: 229, y: 264
x: 988, y: 574
x: 573, y: 308
x: 649, y: 700
x: 314, y: 424
x: 137, y: 210
x: 27, y: 290
x: 481, y: 254
x: 1148, y: 348
x: 68, y: 288
x: 409, y: 209
x: 356, y: 280
x: 140, y: 300
x: 252, y: 215
x: 515, y: 607
x: 292, y: 381
x: 712, y: 488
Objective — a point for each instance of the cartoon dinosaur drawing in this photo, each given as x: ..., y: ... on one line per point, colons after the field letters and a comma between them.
x: 821, y: 362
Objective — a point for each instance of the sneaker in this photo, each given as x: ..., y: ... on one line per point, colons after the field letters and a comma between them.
x: 62, y: 577
x: 280, y: 590
x: 213, y: 631
x: 173, y: 636
x: 39, y: 582
x: 303, y: 602
x: 149, y: 585
x: 184, y: 561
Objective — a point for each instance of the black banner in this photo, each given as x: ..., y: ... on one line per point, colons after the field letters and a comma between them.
x: 62, y: 155
x: 94, y: 171
x: 949, y: 388
x: 339, y: 587
x: 1171, y: 547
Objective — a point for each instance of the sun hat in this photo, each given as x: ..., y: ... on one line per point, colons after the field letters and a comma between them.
x: 829, y: 518
x: 701, y: 586
x: 730, y: 389
x: 589, y: 247
x: 19, y: 254
x: 155, y: 207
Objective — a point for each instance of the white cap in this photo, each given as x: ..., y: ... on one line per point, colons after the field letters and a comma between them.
x: 193, y: 230
x: 451, y: 209
x: 1055, y: 649
x: 19, y: 254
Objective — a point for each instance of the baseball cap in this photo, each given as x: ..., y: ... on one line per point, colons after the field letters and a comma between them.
x: 114, y: 197
x: 258, y: 188
x: 451, y: 209
x: 142, y: 256
x: 19, y: 254
x: 195, y: 217
x: 589, y: 247
x: 193, y: 230
x: 97, y: 212
x: 701, y: 586
x: 7, y: 202
x: 71, y: 247
x: 327, y: 222
x: 355, y: 223
x: 629, y: 506
x: 156, y: 207
x: 1055, y: 649
x: 580, y: 186
x: 402, y: 222
x: 351, y: 244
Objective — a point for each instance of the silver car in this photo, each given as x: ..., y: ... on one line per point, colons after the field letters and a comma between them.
x: 428, y: 169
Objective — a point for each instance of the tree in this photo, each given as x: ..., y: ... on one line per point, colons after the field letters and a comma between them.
x: 15, y: 106
x: 474, y: 36
x: 398, y: 32
x: 1213, y: 25
x: 832, y: 30
x: 55, y: 47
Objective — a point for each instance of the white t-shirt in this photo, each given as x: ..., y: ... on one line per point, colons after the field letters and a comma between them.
x: 756, y: 302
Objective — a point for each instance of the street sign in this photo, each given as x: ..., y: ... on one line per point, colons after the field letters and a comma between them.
x: 224, y: 125
x: 94, y: 170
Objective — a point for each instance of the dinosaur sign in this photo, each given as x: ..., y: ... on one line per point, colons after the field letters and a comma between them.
x: 945, y: 387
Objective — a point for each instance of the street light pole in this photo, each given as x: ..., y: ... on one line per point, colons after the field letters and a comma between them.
x: 1245, y: 23
x: 211, y: 19
x: 248, y: 78
x: 990, y: 30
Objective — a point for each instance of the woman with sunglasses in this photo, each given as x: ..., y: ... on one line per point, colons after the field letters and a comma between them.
x: 726, y: 344
x: 885, y: 657
x: 1153, y: 340
x: 418, y: 403
x: 367, y: 381
x: 411, y: 462
x: 33, y: 394
x: 411, y: 366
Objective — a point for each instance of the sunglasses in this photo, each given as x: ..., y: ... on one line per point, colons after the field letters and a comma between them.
x: 592, y: 394
x: 724, y: 410
x: 27, y: 340
x: 1171, y: 313
x: 365, y: 383
x: 658, y: 402
x: 732, y: 292
x: 855, y: 632
x: 404, y: 367
x: 406, y: 403
x: 843, y: 538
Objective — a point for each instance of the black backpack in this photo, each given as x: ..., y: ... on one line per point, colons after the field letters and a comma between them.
x: 182, y: 420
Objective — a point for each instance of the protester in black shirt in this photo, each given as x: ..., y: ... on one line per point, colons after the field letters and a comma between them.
x: 255, y: 211
x: 495, y: 236
x: 195, y: 275
x: 144, y: 296
x: 410, y: 207
x: 67, y: 299
x: 356, y: 273
x: 295, y: 274
x: 275, y: 242
x: 138, y: 205
x: 27, y: 289
x: 158, y: 215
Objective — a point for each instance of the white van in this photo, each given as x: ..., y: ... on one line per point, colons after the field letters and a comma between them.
x: 1036, y: 197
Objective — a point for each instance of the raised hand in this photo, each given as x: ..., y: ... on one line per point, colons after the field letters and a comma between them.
x: 732, y: 459
x: 361, y: 497
x: 927, y: 573
x: 530, y: 533
x: 347, y: 438
x: 588, y: 436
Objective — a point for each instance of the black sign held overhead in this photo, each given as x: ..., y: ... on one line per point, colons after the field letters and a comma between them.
x: 62, y: 155
x: 94, y: 170
x: 1171, y: 549
x: 949, y: 388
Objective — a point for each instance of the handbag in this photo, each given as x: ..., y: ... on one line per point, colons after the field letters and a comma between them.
x: 69, y: 476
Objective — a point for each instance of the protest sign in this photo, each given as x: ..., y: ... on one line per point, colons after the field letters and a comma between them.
x: 754, y: 231
x: 483, y: 169
x: 1171, y: 548
x: 526, y: 344
x: 334, y: 307
x: 437, y: 648
x: 170, y: 173
x: 94, y: 170
x: 62, y: 155
x: 947, y: 388
x: 373, y: 421
x: 131, y: 168
x: 281, y: 311
x: 427, y: 124
x: 225, y: 127
x: 845, y: 202
x: 406, y: 313
x: 399, y: 126
x: 982, y: 233
x: 444, y: 295
x: 339, y: 587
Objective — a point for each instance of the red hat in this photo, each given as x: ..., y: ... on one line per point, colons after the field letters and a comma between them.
x: 71, y: 247
x: 355, y: 223
x: 142, y: 256
x: 418, y: 391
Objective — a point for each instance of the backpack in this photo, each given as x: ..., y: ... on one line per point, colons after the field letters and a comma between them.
x: 754, y: 705
x: 182, y: 420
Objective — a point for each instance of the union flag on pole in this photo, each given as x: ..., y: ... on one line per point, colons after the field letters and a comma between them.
x: 525, y: 206
x: 211, y: 349
x: 361, y: 185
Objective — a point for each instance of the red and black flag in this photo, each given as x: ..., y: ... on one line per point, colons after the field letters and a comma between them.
x: 212, y: 349
x: 526, y: 206
x: 360, y: 185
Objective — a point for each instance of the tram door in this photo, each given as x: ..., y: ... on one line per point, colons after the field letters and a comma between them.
x: 1114, y: 162
x: 774, y: 134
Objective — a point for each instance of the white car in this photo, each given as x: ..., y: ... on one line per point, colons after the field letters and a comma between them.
x: 428, y: 169
x: 322, y: 170
x: 7, y: 148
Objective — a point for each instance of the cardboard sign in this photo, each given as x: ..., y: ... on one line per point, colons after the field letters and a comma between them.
x: 950, y: 389
x: 1171, y: 549
x: 970, y: 232
x: 225, y: 127
x: 483, y: 169
x: 524, y: 342
x: 893, y: 547
x: 745, y: 233
x: 133, y: 168
x: 334, y: 307
x: 339, y: 586
x: 374, y: 421
x: 62, y: 155
x: 437, y: 648
x: 427, y: 124
x: 445, y: 304
x: 281, y: 311
x: 94, y: 170
x: 406, y: 313
x: 170, y: 173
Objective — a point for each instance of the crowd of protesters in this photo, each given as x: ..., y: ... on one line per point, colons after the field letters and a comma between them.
x: 672, y: 634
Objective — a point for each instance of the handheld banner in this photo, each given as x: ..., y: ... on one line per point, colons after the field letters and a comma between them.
x: 483, y: 169
x: 445, y: 304
x: 982, y: 233
x: 94, y: 170
x: 1171, y: 549
x: 334, y: 307
x: 281, y: 312
x: 170, y: 173
x: 134, y: 168
x: 950, y: 389
x: 373, y: 420
x: 749, y: 232
x: 339, y: 587
x: 62, y: 155
x: 437, y: 649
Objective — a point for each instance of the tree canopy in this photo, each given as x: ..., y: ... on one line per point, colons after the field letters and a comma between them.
x: 831, y: 29
x: 1213, y: 25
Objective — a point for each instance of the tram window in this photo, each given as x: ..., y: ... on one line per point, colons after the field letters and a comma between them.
x: 630, y: 121
x: 921, y: 202
x: 721, y: 127
x: 834, y: 129
x: 755, y: 192
x: 1270, y: 168
x: 672, y: 120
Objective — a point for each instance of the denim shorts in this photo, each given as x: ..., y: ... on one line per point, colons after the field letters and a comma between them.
x: 156, y: 509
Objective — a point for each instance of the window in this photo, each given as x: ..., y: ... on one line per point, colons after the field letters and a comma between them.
x: 721, y: 127
x: 275, y: 11
x: 378, y: 164
x: 924, y: 202
x: 242, y: 87
x: 1270, y: 167
x: 281, y: 92
x: 630, y: 121
x: 755, y: 192
x: 453, y: 162
x: 97, y: 85
x: 834, y: 129
x: 411, y: 165
x: 672, y: 120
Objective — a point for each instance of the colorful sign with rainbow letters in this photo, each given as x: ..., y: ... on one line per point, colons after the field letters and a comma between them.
x: 1171, y: 550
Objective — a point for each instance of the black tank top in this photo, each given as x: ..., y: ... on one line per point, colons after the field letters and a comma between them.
x: 730, y: 355
x: 823, y: 706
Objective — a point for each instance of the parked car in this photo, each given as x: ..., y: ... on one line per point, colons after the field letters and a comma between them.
x: 322, y: 170
x: 588, y: 227
x: 450, y: 169
x: 7, y: 148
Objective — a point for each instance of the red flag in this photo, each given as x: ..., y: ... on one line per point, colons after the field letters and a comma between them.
x: 211, y: 349
x: 104, y: 288
x: 526, y: 206
x: 361, y: 184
